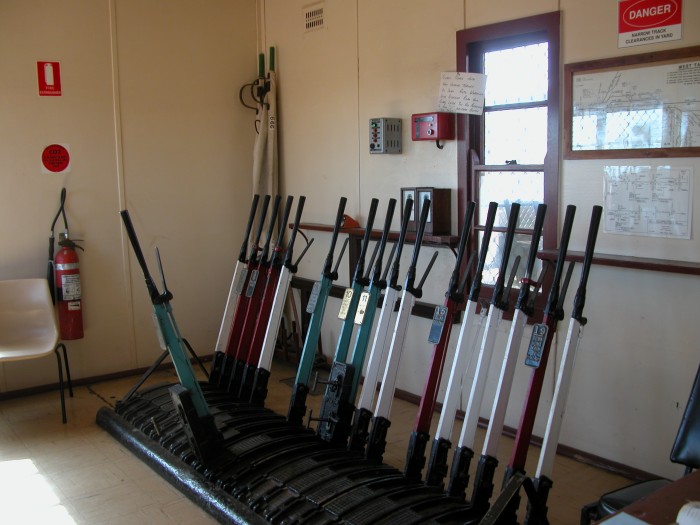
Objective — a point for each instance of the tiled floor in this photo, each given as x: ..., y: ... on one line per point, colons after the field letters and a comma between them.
x: 76, y: 473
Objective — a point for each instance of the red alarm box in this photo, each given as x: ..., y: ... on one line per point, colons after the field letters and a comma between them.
x: 433, y: 126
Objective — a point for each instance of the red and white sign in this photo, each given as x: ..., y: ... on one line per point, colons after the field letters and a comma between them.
x: 55, y: 159
x: 648, y: 21
x: 49, y: 76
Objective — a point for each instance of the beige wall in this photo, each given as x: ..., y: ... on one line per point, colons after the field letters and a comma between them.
x: 150, y: 111
x: 382, y: 59
x: 151, y: 114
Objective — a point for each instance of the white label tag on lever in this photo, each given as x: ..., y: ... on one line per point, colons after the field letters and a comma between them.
x: 438, y: 323
x: 241, y: 281
x: 345, y: 305
x: 159, y: 332
x: 536, y: 346
x: 361, y: 307
x: 313, y: 298
x: 251, y: 283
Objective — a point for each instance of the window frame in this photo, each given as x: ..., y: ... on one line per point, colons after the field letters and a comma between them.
x: 470, y: 130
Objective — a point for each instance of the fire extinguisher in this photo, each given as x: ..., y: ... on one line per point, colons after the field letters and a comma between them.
x: 68, y: 289
x: 64, y: 273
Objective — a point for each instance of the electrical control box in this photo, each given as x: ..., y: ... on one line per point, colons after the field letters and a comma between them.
x: 433, y: 126
x: 385, y: 135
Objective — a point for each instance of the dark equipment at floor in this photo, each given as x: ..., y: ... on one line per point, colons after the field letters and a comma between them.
x: 685, y: 451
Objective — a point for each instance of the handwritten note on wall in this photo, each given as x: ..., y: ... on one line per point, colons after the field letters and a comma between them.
x: 462, y: 93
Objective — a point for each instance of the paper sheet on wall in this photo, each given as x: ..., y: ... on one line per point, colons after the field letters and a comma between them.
x: 651, y: 201
x: 462, y: 93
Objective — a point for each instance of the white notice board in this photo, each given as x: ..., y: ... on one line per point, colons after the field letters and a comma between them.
x: 651, y: 201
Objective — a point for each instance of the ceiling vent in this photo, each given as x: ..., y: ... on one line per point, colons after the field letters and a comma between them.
x: 313, y: 17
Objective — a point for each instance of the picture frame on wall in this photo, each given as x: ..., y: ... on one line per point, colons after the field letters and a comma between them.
x: 407, y: 193
x: 424, y: 194
x: 440, y: 213
x: 628, y: 107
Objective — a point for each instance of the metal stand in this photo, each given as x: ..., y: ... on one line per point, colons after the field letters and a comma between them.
x: 500, y: 512
x: 153, y: 368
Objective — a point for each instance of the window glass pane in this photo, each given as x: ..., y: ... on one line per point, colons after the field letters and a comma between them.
x: 517, y: 74
x: 618, y: 130
x: 518, y: 134
x: 584, y: 131
x: 506, y: 187
x: 633, y: 129
x: 521, y: 247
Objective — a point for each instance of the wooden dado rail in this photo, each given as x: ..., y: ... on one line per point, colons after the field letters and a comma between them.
x: 426, y: 310
x: 624, y: 261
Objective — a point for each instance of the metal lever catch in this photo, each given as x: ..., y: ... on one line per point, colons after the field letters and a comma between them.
x: 309, y: 419
x: 334, y: 385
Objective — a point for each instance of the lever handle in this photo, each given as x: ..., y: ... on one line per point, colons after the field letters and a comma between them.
x: 360, y: 268
x: 580, y: 298
x: 408, y: 209
x: 535, y: 240
x: 253, y: 257
x: 553, y: 298
x: 276, y: 258
x: 248, y: 228
x: 334, y: 237
x: 454, y: 287
x: 377, y: 273
x: 293, y: 236
x: 270, y: 230
x: 131, y: 232
x: 488, y: 228
x: 497, y: 297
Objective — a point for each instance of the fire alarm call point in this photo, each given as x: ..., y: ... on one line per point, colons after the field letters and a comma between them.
x: 433, y: 126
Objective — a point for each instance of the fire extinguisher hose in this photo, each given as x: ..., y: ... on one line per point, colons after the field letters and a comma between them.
x: 52, y: 238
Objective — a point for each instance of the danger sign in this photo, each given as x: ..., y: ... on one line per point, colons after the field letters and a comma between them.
x: 649, y: 21
x: 55, y: 159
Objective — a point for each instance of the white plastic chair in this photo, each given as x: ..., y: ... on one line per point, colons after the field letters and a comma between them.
x: 28, y: 326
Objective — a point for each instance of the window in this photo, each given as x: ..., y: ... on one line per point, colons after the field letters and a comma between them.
x: 511, y: 152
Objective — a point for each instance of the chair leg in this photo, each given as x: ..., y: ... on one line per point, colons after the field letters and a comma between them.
x: 65, y: 361
x: 60, y: 386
